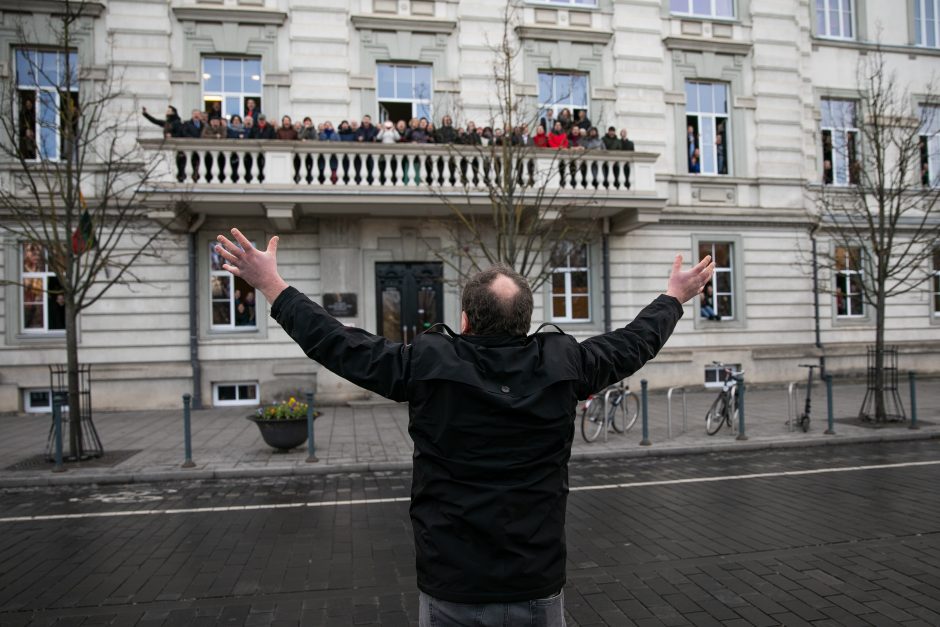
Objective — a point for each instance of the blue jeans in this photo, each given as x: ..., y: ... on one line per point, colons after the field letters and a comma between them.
x: 548, y: 612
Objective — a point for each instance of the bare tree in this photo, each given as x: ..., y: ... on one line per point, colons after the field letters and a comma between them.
x: 878, y: 203
x: 64, y: 136
x: 516, y: 205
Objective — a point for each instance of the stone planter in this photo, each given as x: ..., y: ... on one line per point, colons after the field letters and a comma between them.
x: 283, y: 435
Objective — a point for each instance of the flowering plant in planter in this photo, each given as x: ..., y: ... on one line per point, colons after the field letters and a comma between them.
x: 291, y: 409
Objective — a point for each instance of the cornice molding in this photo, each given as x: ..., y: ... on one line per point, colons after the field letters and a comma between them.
x: 90, y: 9
x: 699, y: 44
x: 873, y: 47
x: 577, y: 35
x: 408, y: 24
x: 228, y: 14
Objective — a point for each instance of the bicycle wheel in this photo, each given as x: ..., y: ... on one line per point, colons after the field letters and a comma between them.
x: 615, y: 413
x: 630, y: 406
x: 716, y: 415
x: 592, y: 418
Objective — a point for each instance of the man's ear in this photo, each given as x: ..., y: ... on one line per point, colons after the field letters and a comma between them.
x: 464, y: 323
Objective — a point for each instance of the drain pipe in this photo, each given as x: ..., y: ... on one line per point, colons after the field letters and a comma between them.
x: 606, y: 252
x: 193, y: 318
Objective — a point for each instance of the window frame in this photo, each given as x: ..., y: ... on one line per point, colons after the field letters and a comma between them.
x: 204, y: 289
x: 416, y: 103
x: 930, y: 153
x: 710, y: 16
x: 568, y: 293
x: 44, y: 276
x: 727, y: 140
x: 921, y: 30
x: 29, y: 408
x: 827, y: 11
x: 558, y: 105
x: 57, y: 91
x: 222, y: 94
x: 717, y: 370
x: 238, y: 402
x: 851, y: 145
x: 739, y: 319
x: 935, y: 286
x: 232, y: 326
x: 863, y: 316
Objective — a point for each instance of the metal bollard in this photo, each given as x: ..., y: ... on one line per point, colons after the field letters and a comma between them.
x: 740, y: 402
x: 57, y: 425
x: 831, y: 421
x: 912, y: 379
x: 187, y: 429
x: 311, y: 448
x: 644, y: 401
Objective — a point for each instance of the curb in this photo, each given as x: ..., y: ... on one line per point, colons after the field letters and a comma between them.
x: 152, y: 476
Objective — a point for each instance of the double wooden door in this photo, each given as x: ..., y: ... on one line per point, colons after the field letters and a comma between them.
x: 409, y: 297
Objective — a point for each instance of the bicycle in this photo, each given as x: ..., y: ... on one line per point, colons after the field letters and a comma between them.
x: 724, y: 410
x: 803, y: 420
x: 615, y: 405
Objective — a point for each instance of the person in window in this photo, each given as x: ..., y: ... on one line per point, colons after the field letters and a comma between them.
x: 367, y: 130
x: 610, y: 139
x: 263, y: 130
x: 548, y: 120
x: 446, y: 134
x: 308, y: 131
x: 706, y: 308
x: 691, y: 140
x: 583, y: 121
x: 695, y: 167
x: 286, y: 132
x: 345, y: 132
x: 541, y: 138
x: 236, y: 128
x: 558, y: 138
x: 625, y: 143
x: 720, y: 153
x: 242, y: 317
x: 215, y: 110
x: 566, y: 120
x: 193, y: 127
x: 28, y: 127
x: 171, y: 124
x: 214, y: 129
x: 57, y: 313
x: 251, y: 110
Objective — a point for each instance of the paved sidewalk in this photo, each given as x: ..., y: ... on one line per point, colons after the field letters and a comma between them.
x: 374, y: 436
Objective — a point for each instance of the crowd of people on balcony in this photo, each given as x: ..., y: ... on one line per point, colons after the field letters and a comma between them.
x: 564, y: 132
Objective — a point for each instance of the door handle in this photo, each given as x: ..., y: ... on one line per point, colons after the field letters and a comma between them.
x: 414, y: 332
x: 404, y: 333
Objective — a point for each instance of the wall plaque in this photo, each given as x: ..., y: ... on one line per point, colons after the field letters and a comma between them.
x: 340, y: 305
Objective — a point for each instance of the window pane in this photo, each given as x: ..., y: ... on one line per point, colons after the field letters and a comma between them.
x: 558, y: 283
x: 704, y: 249
x: 724, y: 306
x: 386, y: 79
x: 40, y: 398
x: 212, y: 74
x: 707, y: 140
x: 404, y: 85
x: 252, y: 76
x: 562, y: 88
x: 32, y: 317
x: 578, y: 257
x: 558, y: 307
x: 48, y: 70
x: 422, y: 88
x: 32, y: 292
x: 723, y: 281
x: 721, y: 98
x: 821, y: 17
x: 701, y: 7
x: 723, y: 255
x: 232, y: 106
x: 25, y: 67
x: 679, y: 6
x: 220, y: 288
x: 724, y: 8
x: 221, y: 313
x: 33, y: 259
x: 579, y: 282
x: 579, y: 308
x: 247, y: 392
x: 232, y: 75
x: 423, y: 111
x: 48, y: 124
x: 215, y: 258
x: 72, y: 82
x: 846, y: 18
x: 227, y: 393
x: 691, y: 96
x: 579, y: 90
x: 545, y: 87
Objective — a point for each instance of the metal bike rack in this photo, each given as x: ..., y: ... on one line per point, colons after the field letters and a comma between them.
x: 606, y: 405
x: 685, y: 419
x: 793, y: 405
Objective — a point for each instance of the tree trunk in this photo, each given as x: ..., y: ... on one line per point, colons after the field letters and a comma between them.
x: 880, y: 356
x: 71, y: 351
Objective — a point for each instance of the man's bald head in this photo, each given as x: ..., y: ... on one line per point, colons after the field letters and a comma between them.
x: 497, y: 301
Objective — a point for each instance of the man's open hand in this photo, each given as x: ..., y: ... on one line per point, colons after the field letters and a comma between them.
x: 258, y: 268
x: 685, y: 284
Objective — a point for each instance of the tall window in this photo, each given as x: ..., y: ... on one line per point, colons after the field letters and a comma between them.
x: 47, y: 97
x: 717, y: 299
x: 849, y: 277
x: 703, y: 8
x: 839, y: 142
x: 43, y: 305
x: 228, y: 84
x: 936, y: 282
x: 232, y: 299
x: 927, y: 23
x: 404, y: 91
x: 930, y: 146
x: 570, y: 3
x: 571, y: 296
x: 563, y: 90
x: 834, y: 19
x: 707, y: 129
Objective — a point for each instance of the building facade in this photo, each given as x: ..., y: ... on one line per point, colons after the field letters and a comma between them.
x: 740, y: 113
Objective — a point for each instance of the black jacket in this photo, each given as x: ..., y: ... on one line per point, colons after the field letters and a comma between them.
x: 492, y: 419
